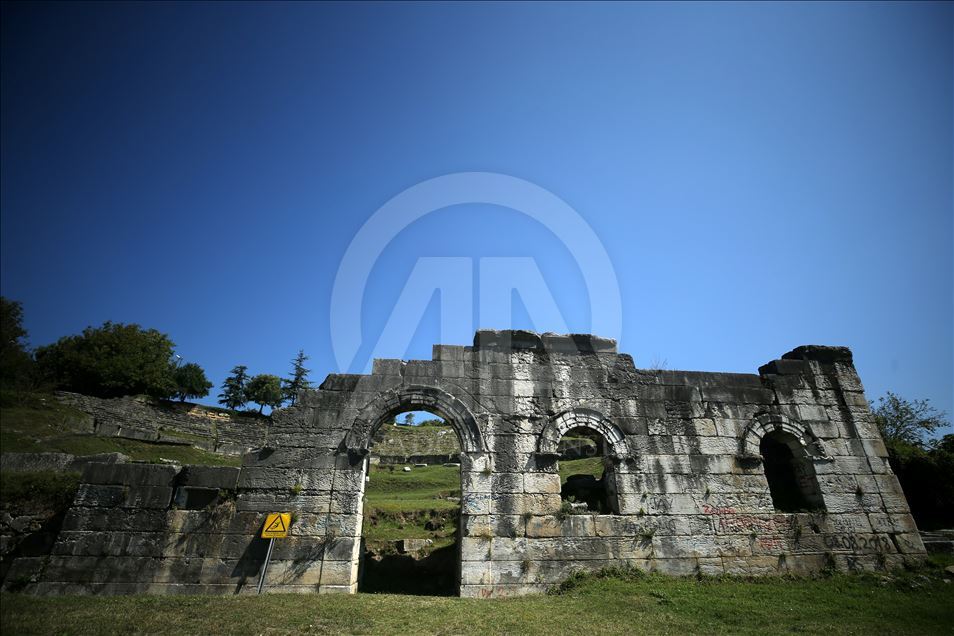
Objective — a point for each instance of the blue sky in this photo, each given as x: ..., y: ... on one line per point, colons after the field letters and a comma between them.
x: 760, y: 175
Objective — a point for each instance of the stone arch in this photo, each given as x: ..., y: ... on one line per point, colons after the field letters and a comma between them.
x: 767, y: 423
x: 558, y: 426
x: 414, y: 398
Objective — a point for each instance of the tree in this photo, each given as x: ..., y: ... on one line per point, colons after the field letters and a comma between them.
x: 111, y: 361
x: 233, y: 395
x: 265, y: 390
x: 191, y: 382
x: 409, y: 419
x: 925, y: 470
x: 16, y: 363
x: 299, y: 380
x: 909, y: 422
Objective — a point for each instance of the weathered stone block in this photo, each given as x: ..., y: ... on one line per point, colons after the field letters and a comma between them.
x: 130, y: 474
x: 221, y: 477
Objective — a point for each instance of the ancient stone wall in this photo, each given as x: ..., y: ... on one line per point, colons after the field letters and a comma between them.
x: 686, y: 467
x: 139, y: 417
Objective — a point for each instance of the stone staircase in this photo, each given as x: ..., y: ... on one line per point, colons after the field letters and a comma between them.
x: 939, y: 541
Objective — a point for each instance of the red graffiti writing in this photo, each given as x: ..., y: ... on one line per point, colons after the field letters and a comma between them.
x: 717, y: 510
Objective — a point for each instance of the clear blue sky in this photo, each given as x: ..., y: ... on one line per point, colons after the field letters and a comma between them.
x: 761, y: 176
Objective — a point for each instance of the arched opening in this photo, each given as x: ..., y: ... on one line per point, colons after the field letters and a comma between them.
x: 587, y: 478
x: 411, y: 513
x: 790, y: 473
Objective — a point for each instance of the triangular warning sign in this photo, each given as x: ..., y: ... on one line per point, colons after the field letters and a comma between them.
x: 277, y: 525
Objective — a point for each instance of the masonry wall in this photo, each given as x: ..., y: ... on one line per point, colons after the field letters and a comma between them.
x: 140, y: 417
x: 692, y: 495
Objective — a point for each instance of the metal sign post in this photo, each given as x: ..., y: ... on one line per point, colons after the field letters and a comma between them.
x: 268, y: 556
x: 276, y: 527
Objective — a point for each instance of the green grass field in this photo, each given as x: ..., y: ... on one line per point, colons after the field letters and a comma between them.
x: 421, y: 504
x: 872, y: 604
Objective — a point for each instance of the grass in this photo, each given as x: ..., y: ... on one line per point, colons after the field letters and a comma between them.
x: 37, y: 493
x: 422, y: 488
x: 587, y: 466
x: 619, y: 604
x: 43, y: 425
x: 399, y: 505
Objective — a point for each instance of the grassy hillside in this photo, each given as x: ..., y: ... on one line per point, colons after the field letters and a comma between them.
x: 43, y: 425
x: 913, y: 603
x: 421, y: 504
x: 404, y: 441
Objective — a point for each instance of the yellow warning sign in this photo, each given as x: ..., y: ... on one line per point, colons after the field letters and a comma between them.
x: 276, y: 525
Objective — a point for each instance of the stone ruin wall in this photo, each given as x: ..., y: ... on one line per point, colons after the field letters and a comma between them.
x: 169, y: 422
x: 691, y: 495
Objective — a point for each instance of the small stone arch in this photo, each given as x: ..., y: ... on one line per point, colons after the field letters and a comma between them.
x: 767, y: 423
x: 558, y: 426
x: 421, y: 398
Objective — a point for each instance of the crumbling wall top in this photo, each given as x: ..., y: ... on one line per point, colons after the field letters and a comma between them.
x: 517, y: 339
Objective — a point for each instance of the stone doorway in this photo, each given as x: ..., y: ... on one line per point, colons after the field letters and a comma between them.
x: 411, y: 508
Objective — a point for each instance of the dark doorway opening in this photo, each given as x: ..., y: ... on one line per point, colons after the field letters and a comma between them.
x: 587, y: 479
x: 790, y: 474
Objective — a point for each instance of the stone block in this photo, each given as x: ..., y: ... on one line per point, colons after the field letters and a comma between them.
x: 267, y: 478
x: 383, y: 366
x: 475, y: 503
x: 541, y: 483
x: 874, y: 448
x: 351, y: 481
x: 475, y: 548
x: 130, y: 474
x: 519, y: 504
x: 506, y: 483
x: 219, y: 477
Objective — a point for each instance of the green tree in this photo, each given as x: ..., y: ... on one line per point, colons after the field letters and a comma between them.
x: 233, y: 395
x: 900, y: 420
x: 291, y: 387
x: 924, y: 469
x: 409, y: 419
x: 110, y: 361
x: 191, y: 382
x: 16, y: 363
x: 265, y: 390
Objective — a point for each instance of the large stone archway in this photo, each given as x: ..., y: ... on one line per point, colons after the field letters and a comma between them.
x: 557, y: 427
x: 357, y: 444
x: 414, y: 398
